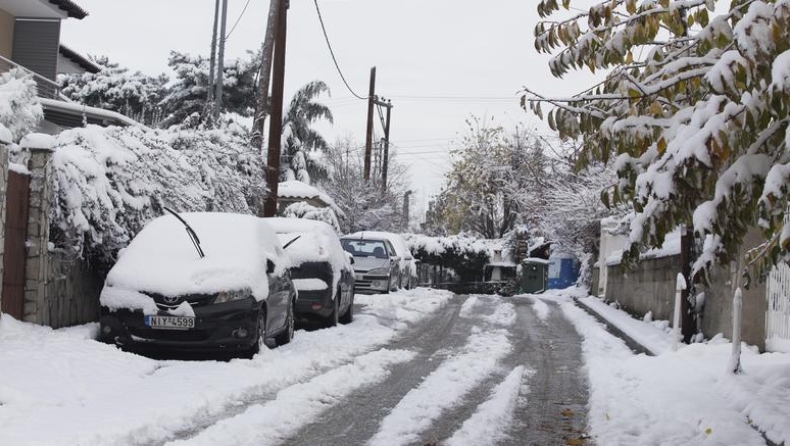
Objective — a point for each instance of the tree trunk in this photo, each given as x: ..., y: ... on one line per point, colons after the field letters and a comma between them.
x: 267, y: 49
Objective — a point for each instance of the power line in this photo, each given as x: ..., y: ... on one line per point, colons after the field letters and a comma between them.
x: 227, y: 36
x: 332, y: 52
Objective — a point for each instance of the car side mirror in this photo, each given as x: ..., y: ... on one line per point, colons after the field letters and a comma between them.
x: 269, y: 266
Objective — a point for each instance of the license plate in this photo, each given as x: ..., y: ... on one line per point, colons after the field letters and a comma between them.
x: 170, y: 322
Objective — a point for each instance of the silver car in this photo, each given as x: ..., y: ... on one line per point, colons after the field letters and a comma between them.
x: 376, y: 265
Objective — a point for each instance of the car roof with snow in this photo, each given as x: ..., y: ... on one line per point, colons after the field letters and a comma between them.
x: 401, y: 248
x: 162, y: 259
x: 317, y: 241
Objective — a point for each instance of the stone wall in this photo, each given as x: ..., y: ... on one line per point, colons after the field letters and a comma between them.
x: 649, y: 286
x: 60, y: 290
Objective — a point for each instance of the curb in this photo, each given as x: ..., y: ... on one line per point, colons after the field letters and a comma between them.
x: 611, y: 328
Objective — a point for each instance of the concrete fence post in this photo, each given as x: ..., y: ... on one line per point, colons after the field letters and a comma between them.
x: 40, y: 166
x: 5, y: 140
x: 680, y: 286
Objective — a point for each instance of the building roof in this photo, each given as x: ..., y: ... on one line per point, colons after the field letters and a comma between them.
x: 78, y: 59
x: 71, y: 8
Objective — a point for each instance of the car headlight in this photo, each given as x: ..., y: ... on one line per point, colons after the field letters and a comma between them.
x: 228, y: 296
x: 379, y: 271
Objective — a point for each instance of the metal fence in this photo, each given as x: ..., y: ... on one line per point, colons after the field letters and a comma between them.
x: 47, y: 88
x: 777, y: 315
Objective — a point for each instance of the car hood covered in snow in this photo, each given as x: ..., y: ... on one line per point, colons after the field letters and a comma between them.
x: 161, y: 259
x: 364, y: 264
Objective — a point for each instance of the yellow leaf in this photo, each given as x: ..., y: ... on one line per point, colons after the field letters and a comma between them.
x: 708, y: 431
x: 661, y: 145
x: 629, y: 58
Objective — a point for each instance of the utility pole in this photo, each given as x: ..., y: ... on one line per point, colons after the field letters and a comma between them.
x: 267, y: 48
x: 388, y: 105
x: 369, y: 136
x: 276, y: 120
x: 221, y: 60
x: 213, y: 59
x: 406, y: 209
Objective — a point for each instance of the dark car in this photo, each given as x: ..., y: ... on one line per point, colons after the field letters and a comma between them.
x: 200, y: 282
x: 321, y: 271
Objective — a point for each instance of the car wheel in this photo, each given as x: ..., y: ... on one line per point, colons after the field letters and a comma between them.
x: 332, y: 319
x: 290, y: 325
x: 260, y: 334
x: 348, y: 316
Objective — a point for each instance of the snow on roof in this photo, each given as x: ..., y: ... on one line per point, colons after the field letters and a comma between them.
x: 536, y: 260
x: 317, y: 243
x: 100, y: 113
x: 670, y: 247
x: 299, y: 190
x: 78, y: 59
x: 161, y: 258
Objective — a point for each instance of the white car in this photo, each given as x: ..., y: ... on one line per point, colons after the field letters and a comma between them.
x: 406, y: 272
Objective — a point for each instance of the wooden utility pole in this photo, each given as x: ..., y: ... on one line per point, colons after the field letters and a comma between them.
x: 687, y: 324
x: 388, y: 105
x: 267, y: 48
x: 221, y: 61
x: 213, y: 59
x: 369, y: 136
x: 276, y: 121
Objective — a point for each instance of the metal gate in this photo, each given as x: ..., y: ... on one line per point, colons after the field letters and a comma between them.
x: 777, y: 314
x: 17, y: 205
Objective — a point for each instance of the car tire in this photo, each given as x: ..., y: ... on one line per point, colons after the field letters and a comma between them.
x: 260, y: 334
x: 290, y: 324
x: 348, y: 316
x: 332, y: 319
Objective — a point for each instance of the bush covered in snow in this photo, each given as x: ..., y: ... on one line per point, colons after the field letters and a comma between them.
x: 20, y: 110
x: 465, y: 255
x: 310, y: 212
x: 110, y: 181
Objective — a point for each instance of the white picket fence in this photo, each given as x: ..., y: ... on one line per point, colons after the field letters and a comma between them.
x: 777, y: 315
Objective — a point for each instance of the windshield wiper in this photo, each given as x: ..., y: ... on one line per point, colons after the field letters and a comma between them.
x: 291, y: 242
x: 192, y: 235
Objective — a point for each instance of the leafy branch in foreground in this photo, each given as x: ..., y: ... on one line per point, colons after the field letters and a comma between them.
x: 694, y: 107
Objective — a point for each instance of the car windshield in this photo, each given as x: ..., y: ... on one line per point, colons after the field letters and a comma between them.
x: 365, y: 248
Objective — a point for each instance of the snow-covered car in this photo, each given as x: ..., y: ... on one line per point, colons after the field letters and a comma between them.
x: 376, y: 264
x: 407, y: 267
x: 321, y: 271
x: 200, y: 281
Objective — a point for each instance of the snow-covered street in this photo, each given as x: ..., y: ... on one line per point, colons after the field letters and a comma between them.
x: 415, y: 367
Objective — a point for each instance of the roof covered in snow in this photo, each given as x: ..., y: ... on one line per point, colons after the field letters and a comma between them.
x: 298, y: 190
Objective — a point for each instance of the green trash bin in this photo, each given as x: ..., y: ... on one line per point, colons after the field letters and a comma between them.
x: 534, y: 275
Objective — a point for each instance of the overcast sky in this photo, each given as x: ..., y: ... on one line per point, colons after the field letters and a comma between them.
x: 428, y: 54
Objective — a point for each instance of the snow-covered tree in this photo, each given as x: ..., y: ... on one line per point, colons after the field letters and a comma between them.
x: 694, y: 106
x: 116, y: 88
x: 186, y: 101
x: 300, y: 140
x: 20, y: 111
x: 362, y: 203
x: 495, y: 181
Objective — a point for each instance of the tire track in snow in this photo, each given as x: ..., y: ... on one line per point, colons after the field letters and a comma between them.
x: 361, y: 413
x: 296, y: 406
x: 489, y: 424
x: 443, y: 389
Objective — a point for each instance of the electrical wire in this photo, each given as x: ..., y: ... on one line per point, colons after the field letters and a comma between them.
x: 332, y: 52
x: 233, y: 28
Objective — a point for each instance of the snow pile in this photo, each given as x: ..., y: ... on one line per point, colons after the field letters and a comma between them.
x: 404, y: 307
x: 649, y: 334
x: 20, y: 110
x: 443, y: 388
x: 162, y: 259
x: 111, y: 181
x: 488, y: 425
x: 683, y: 397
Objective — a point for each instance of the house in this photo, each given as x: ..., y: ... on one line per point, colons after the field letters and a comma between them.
x: 30, y: 40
